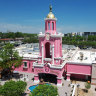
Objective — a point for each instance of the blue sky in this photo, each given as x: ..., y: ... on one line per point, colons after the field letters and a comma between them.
x: 28, y: 15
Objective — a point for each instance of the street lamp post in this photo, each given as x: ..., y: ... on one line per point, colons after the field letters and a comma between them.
x: 78, y: 89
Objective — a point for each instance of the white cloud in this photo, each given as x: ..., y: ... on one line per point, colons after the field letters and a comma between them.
x: 67, y: 29
x: 21, y: 28
x: 4, y: 27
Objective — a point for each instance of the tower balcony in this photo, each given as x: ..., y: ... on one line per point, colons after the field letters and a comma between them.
x: 41, y: 34
x: 58, y: 35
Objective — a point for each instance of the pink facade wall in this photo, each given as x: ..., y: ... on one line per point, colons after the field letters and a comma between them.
x: 59, y: 81
x: 57, y: 48
x: 57, y: 42
x: 29, y: 68
x: 79, y: 69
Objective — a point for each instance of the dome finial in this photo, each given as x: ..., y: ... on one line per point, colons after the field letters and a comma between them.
x: 50, y: 15
x: 50, y: 8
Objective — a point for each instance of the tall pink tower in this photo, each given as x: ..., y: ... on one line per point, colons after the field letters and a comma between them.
x: 50, y: 44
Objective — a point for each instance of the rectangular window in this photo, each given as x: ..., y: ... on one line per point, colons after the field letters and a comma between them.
x: 53, y: 25
x: 25, y: 64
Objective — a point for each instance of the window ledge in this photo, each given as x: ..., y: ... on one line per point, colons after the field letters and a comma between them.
x: 25, y: 67
x: 47, y: 59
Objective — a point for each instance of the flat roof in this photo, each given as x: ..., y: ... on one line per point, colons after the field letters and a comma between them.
x: 87, y: 57
x: 69, y: 55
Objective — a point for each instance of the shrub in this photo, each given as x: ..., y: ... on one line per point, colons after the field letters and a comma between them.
x: 13, y: 88
x: 44, y: 90
x: 87, y: 85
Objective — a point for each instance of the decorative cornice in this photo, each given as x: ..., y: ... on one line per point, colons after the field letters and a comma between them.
x: 55, y: 19
x: 57, y: 57
x: 50, y: 65
x: 41, y: 35
x: 57, y: 35
x: 79, y: 63
x: 47, y: 59
x: 28, y: 58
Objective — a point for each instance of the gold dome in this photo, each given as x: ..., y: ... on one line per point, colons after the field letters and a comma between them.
x: 50, y: 15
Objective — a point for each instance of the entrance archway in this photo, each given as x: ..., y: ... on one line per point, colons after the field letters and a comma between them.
x: 47, y: 50
x: 48, y: 77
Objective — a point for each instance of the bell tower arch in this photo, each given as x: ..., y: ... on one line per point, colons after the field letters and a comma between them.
x: 47, y: 50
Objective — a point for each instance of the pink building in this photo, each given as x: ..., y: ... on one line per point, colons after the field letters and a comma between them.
x: 50, y: 63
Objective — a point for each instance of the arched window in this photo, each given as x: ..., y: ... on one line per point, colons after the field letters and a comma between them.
x: 48, y: 25
x: 52, y: 25
x: 47, y: 50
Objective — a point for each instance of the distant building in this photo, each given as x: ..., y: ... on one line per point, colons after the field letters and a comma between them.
x: 6, y: 40
x: 89, y: 33
x: 86, y: 34
x: 12, y: 41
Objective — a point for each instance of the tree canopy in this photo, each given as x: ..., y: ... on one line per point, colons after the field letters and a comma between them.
x: 81, y: 41
x: 12, y: 88
x: 9, y: 57
x: 77, y: 40
x: 44, y: 90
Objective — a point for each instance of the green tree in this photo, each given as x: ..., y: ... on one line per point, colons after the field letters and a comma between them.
x: 32, y: 39
x: 1, y: 34
x: 44, y: 90
x: 19, y: 34
x: 9, y: 57
x: 13, y: 88
x: 10, y: 35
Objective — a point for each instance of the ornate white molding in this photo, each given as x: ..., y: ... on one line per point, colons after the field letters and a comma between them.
x: 68, y: 79
x: 25, y: 67
x: 79, y: 63
x: 57, y: 58
x: 37, y: 64
x: 56, y: 35
x: 47, y: 59
x: 50, y: 18
x: 59, y: 85
x: 30, y: 58
x: 41, y: 35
